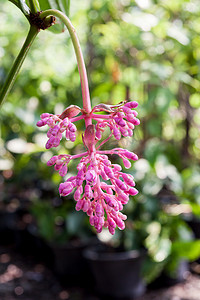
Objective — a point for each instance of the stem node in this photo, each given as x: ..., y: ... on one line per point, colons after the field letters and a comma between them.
x: 41, y: 23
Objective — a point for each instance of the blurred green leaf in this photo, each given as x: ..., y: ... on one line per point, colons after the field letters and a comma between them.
x: 21, y: 4
x: 188, y: 250
x: 195, y: 100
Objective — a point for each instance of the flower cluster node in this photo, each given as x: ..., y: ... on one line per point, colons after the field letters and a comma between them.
x: 122, y: 121
x: 56, y: 128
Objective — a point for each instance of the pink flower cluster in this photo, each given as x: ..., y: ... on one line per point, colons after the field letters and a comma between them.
x: 100, y: 187
x: 57, y: 127
x: 100, y: 200
x: 121, y: 120
x: 60, y: 162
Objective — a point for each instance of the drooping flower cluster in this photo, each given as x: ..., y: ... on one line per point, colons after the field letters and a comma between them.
x: 121, y: 120
x: 57, y: 127
x: 102, y: 201
x: 100, y: 187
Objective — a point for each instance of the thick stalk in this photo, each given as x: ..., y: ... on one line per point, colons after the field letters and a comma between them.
x: 79, y: 56
x: 18, y: 63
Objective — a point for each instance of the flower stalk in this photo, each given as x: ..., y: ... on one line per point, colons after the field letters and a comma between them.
x: 79, y: 56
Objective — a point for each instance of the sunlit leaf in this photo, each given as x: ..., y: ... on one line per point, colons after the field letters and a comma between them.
x: 21, y: 4
x: 185, y: 249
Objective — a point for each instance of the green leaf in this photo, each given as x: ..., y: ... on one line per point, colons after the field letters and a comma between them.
x: 24, y: 7
x: 189, y: 250
x: 21, y: 4
x: 195, y: 100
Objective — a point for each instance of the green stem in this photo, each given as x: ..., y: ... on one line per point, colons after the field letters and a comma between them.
x: 79, y: 56
x: 33, y: 6
x: 18, y: 63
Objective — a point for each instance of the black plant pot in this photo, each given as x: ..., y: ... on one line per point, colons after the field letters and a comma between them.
x: 117, y: 275
x: 69, y: 264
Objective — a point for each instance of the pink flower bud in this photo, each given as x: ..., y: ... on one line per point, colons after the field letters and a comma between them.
x: 120, y: 223
x: 65, y: 188
x: 80, y: 177
x: 90, y: 176
x: 111, y: 222
x: 49, y: 143
x: 117, y: 167
x: 109, y: 172
x: 57, y: 167
x: 63, y: 170
x: 130, y: 155
x: 123, y: 131
x: 79, y: 204
x: 109, y: 191
x: 50, y: 122
x: 86, y: 205
x: 72, y: 127
x: 132, y: 104
x: 111, y: 229
x: 99, y: 210
x: 116, y: 133
x: 132, y: 191
x: 44, y: 115
x: 55, y: 130
x: 126, y: 163
x: 121, y: 184
x: 110, y: 200
x: 136, y: 121
x: 128, y: 179
x: 126, y: 110
x: 120, y: 121
x: 72, y: 136
x: 103, y: 175
x: 52, y: 161
x: 121, y: 115
x: 98, y: 134
x: 90, y: 211
x: 123, y: 197
x: 130, y: 132
x: 91, y: 220
x: 122, y: 216
x: 106, y: 162
x: 77, y: 195
x: 65, y: 122
x: 130, y: 125
x: 98, y: 228
x: 40, y: 123
x: 67, y: 134
x: 88, y: 191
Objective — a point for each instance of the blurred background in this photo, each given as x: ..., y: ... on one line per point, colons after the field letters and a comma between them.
x: 144, y: 50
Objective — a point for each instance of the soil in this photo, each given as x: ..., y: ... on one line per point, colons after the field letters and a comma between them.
x: 24, y: 279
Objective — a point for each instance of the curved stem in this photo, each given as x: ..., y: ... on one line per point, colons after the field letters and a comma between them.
x: 79, y: 56
x: 18, y: 63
